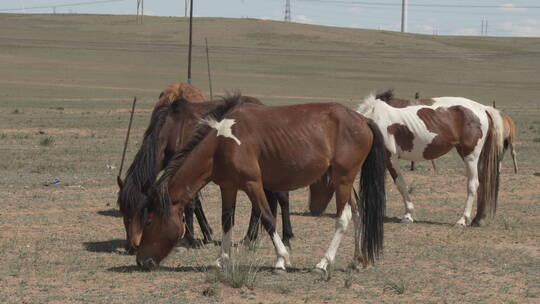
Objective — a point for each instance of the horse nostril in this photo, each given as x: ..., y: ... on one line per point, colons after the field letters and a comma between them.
x: 148, y: 264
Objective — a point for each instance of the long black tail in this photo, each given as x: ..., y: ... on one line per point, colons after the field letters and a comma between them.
x: 373, y: 197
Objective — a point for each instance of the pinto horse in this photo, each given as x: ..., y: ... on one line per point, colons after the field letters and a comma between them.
x: 430, y: 129
x: 282, y: 148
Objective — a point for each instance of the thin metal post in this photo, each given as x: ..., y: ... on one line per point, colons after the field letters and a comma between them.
x: 127, y: 136
x: 190, y: 40
x: 209, y: 75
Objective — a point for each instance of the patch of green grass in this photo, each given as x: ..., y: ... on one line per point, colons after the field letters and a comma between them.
x: 3, y: 135
x: 47, y: 141
x: 210, y: 291
x: 397, y: 287
x: 21, y: 136
x: 16, y: 111
x: 240, y: 270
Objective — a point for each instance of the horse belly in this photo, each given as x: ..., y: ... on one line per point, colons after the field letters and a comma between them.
x: 290, y: 174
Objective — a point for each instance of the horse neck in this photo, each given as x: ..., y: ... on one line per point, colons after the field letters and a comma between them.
x: 195, y: 171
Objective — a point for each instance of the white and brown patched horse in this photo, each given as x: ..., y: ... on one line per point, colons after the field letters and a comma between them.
x: 430, y: 129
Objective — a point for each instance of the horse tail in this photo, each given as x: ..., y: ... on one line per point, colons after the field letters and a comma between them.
x: 373, y: 197
x: 488, y: 168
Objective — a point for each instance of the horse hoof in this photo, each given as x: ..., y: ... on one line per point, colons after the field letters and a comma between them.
x: 407, y: 220
x: 318, y: 271
x: 461, y: 224
x: 478, y: 223
x: 279, y: 271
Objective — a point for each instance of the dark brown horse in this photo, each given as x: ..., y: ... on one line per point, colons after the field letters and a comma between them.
x: 282, y: 148
x: 148, y: 162
x: 165, y: 136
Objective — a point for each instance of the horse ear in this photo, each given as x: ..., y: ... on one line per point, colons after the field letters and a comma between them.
x: 120, y: 182
x: 146, y: 187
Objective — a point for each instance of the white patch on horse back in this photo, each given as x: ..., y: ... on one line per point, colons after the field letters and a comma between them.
x: 385, y: 115
x: 224, y: 128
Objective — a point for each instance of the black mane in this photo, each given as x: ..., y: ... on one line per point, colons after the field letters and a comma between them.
x: 161, y: 185
x: 385, y: 96
x: 142, y: 168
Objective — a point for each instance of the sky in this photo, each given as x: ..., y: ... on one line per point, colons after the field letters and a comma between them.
x: 515, y: 18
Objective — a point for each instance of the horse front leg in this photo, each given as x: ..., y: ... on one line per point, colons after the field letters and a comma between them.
x: 228, y: 205
x: 393, y: 166
x: 343, y: 217
x: 256, y: 195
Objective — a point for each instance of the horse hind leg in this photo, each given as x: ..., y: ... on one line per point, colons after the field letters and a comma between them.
x: 513, y: 152
x: 471, y: 165
x: 206, y: 230
x: 320, y: 194
x: 343, y: 217
x: 283, y: 200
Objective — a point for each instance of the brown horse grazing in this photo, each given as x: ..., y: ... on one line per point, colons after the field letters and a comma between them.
x: 147, y: 163
x: 509, y: 138
x: 179, y: 126
x: 165, y: 136
x: 429, y: 130
x: 282, y: 148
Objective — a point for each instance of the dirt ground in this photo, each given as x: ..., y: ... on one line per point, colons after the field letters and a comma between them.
x: 66, y: 84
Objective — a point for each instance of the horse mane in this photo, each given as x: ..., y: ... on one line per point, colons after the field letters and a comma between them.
x: 385, y: 96
x: 161, y: 185
x: 142, y: 169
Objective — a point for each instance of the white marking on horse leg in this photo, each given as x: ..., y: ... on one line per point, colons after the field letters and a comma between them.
x: 471, y: 164
x: 281, y: 252
x: 402, y: 187
x: 226, y: 244
x: 341, y: 225
x: 224, y: 128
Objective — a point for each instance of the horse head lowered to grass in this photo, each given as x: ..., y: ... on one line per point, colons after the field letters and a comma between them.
x: 282, y: 148
x: 172, y: 124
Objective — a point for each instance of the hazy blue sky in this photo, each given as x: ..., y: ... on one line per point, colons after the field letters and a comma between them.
x: 505, y: 17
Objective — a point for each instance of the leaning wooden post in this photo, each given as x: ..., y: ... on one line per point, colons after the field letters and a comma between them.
x: 209, y: 75
x: 127, y: 137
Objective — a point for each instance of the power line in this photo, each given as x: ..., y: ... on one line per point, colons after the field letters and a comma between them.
x: 366, y: 3
x: 58, y: 5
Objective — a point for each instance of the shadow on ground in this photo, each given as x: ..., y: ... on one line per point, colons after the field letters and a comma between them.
x: 135, y: 268
x: 110, y: 212
x: 398, y: 220
x: 307, y: 213
x: 111, y: 246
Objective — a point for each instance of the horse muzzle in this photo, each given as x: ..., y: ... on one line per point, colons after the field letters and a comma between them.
x: 148, y: 264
